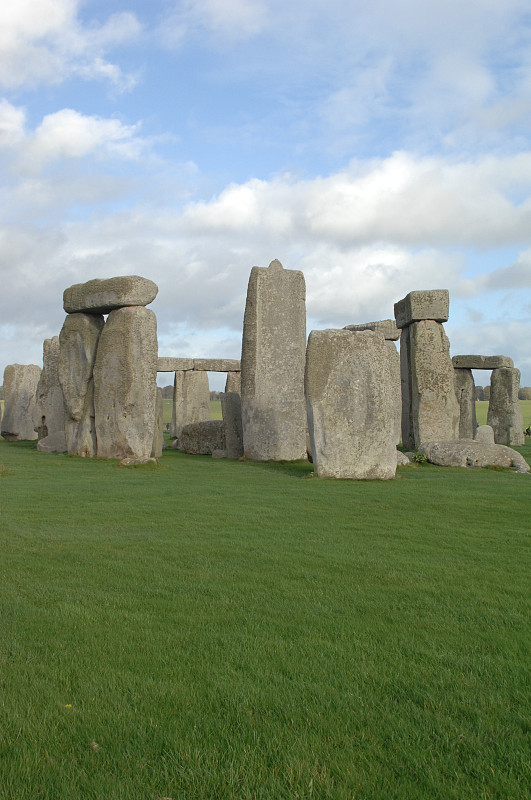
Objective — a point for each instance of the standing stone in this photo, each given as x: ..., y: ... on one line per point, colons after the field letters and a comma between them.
x: 505, y: 412
x: 233, y: 382
x: 158, y: 436
x: 484, y: 434
x: 231, y: 408
x: 20, y: 387
x: 49, y: 412
x: 78, y: 342
x: 430, y: 411
x: 191, y: 400
x: 350, y: 405
x: 272, y: 365
x: 466, y: 397
x: 125, y: 374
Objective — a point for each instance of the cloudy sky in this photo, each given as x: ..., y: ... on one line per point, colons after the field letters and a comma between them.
x: 378, y: 146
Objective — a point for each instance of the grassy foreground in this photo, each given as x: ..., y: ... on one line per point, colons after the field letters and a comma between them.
x: 220, y: 629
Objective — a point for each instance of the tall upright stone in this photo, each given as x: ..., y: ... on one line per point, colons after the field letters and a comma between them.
x: 125, y: 375
x: 231, y: 409
x: 505, y: 412
x: 158, y: 434
x: 430, y: 411
x: 49, y: 412
x: 233, y: 383
x: 272, y: 365
x: 20, y: 387
x: 349, y: 396
x: 191, y: 400
x: 466, y: 397
x: 78, y: 343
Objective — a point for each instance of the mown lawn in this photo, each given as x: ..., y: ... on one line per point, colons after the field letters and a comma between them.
x: 225, y: 629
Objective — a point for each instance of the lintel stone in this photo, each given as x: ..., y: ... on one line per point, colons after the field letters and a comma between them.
x: 103, y: 296
x: 216, y: 365
x: 385, y: 327
x: 416, y: 306
x: 482, y: 362
x: 168, y: 364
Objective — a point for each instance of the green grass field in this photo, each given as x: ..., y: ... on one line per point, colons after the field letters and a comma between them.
x: 226, y: 629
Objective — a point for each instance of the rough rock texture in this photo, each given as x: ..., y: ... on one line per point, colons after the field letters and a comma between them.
x: 49, y: 411
x: 465, y: 391
x: 102, y: 296
x: 233, y: 382
x: 272, y: 365
x: 386, y: 327
x: 20, y: 387
x: 403, y: 459
x: 231, y: 408
x: 505, y: 412
x: 125, y: 373
x: 481, y: 362
x: 167, y: 364
x: 202, y: 438
x: 415, y: 306
x: 430, y: 411
x: 216, y: 364
x: 350, y: 405
x: 484, y: 434
x: 470, y: 453
x: 191, y: 400
x: 53, y: 443
x: 158, y: 436
x: 78, y: 342
x: 393, y: 357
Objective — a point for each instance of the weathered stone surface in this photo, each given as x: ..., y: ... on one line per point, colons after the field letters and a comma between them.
x: 393, y: 358
x: 403, y: 459
x: 350, y: 405
x: 430, y: 411
x: 219, y: 454
x: 53, y: 443
x: 191, y: 400
x: 484, y: 434
x: 203, y: 438
x: 470, y: 453
x: 20, y: 387
x: 78, y: 342
x: 386, y: 327
x: 102, y: 296
x: 481, y: 362
x: 158, y: 436
x: 168, y: 364
x: 231, y: 409
x: 136, y: 462
x: 49, y: 411
x: 505, y: 412
x: 465, y: 393
x: 217, y: 364
x: 233, y: 382
x: 426, y: 305
x: 272, y: 365
x: 125, y: 373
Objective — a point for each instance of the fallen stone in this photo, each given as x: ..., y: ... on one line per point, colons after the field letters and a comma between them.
x: 53, y: 443
x: 426, y: 305
x: 203, y: 438
x: 385, y: 327
x: 481, y: 362
x: 403, y: 459
x: 135, y: 462
x: 20, y: 387
x: 102, y: 296
x: 350, y: 405
x: 219, y: 454
x: 470, y: 453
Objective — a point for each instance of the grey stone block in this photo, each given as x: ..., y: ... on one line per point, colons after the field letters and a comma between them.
x: 482, y: 362
x: 433, y: 304
x: 385, y: 327
x: 102, y: 296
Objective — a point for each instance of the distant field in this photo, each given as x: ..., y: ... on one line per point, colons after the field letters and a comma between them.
x: 215, y: 410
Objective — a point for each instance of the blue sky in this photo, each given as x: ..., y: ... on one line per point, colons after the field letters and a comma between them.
x: 379, y: 147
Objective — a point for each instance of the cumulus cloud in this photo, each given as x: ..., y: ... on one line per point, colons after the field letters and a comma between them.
x: 44, y: 41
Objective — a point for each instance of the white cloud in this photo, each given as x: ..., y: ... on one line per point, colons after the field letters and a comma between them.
x: 44, y: 41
